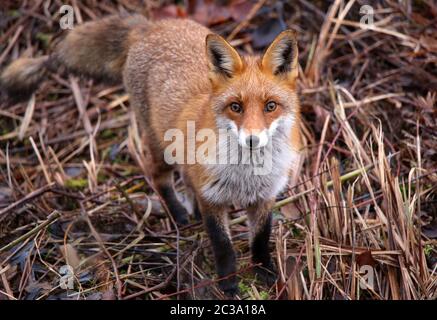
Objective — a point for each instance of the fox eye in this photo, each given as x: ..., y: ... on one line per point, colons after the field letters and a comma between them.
x: 270, y: 106
x: 235, y: 107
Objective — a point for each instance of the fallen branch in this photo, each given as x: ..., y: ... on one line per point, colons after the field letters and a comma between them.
x: 50, y: 219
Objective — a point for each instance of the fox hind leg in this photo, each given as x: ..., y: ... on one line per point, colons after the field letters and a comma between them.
x: 165, y: 187
x: 153, y: 164
x: 191, y: 196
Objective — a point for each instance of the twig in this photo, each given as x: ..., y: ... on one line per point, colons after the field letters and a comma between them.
x: 246, y: 21
x: 50, y: 218
x: 96, y: 235
x: 27, y: 198
x: 154, y: 288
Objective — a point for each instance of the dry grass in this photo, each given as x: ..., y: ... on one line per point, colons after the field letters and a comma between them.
x: 71, y: 189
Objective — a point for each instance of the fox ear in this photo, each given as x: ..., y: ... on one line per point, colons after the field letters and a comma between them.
x: 223, y: 59
x: 281, y: 57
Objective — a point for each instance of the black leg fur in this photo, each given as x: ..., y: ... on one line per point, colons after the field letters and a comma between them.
x: 260, y: 250
x: 260, y: 243
x: 224, y: 254
x: 176, y: 209
x: 196, y: 211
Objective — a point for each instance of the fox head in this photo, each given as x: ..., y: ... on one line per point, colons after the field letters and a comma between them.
x: 254, y: 97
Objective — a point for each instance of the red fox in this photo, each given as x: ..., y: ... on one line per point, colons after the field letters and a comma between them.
x: 176, y: 71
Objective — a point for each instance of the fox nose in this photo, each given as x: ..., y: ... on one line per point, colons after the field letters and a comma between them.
x: 252, y: 141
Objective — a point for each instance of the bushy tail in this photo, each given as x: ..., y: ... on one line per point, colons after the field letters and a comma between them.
x: 22, y: 77
x: 96, y: 49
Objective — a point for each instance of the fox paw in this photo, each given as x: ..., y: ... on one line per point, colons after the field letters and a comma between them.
x: 229, y: 288
x: 266, y: 275
x: 180, y: 215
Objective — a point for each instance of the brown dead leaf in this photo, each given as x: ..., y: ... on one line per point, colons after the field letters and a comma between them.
x: 240, y: 9
x: 291, y: 211
x: 210, y: 12
x: 429, y: 43
x: 70, y: 255
x: 170, y: 11
x: 366, y: 259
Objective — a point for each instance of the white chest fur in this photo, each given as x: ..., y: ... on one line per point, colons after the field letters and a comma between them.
x: 243, y: 183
